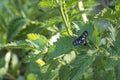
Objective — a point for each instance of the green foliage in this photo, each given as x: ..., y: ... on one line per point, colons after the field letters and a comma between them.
x: 15, y: 26
x: 63, y: 45
x: 85, y: 65
x: 24, y: 44
x: 36, y: 40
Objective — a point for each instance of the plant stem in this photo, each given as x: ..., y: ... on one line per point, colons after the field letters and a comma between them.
x: 65, y: 17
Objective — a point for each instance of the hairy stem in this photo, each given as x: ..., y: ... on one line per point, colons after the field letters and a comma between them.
x: 64, y: 15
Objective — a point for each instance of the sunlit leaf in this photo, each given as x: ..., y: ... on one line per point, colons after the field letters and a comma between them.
x: 63, y: 45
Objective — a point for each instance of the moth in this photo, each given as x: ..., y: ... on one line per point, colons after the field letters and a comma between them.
x: 81, y: 39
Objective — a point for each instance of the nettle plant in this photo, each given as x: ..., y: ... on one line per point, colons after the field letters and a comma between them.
x: 67, y: 42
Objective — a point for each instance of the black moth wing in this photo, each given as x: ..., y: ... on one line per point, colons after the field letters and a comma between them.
x: 81, y: 39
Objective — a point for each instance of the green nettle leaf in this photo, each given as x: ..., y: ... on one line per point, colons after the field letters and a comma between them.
x: 47, y: 4
x: 113, y: 33
x: 117, y: 42
x: 109, y: 14
x: 64, y: 72
x: 100, y: 71
x: 111, y: 63
x: 41, y: 41
x: 68, y: 58
x: 77, y: 73
x: 63, y: 45
x: 114, y: 40
x: 118, y: 72
x: 85, y: 27
x: 53, y: 21
x: 96, y: 38
x: 23, y: 44
x: 15, y: 26
x: 81, y: 64
x: 92, y: 3
x: 32, y: 56
x: 51, y: 70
